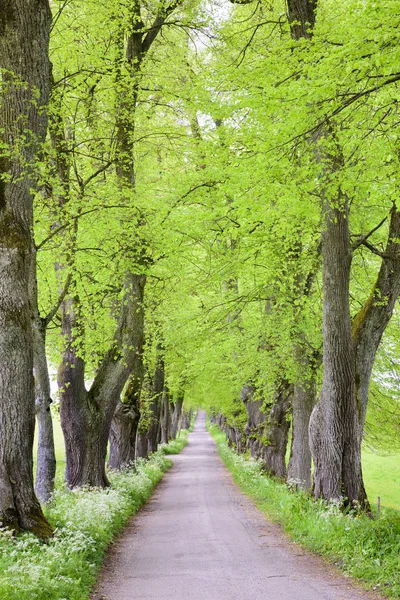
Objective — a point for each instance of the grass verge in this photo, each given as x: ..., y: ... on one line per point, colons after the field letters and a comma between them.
x: 86, y: 522
x: 364, y: 548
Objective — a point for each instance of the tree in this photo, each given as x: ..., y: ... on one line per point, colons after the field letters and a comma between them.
x: 24, y: 97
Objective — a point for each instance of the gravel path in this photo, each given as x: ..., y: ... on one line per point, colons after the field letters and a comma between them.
x: 200, y: 538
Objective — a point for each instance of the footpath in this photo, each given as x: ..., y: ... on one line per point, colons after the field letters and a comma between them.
x: 200, y: 538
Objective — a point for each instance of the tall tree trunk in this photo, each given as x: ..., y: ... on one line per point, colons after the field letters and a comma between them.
x: 185, y: 419
x: 276, y: 431
x: 155, y: 401
x: 123, y: 436
x: 86, y: 415
x: 166, y: 416
x: 142, y: 449
x: 299, y: 469
x: 176, y: 416
x: 335, y: 421
x: 302, y: 17
x: 85, y: 451
x: 25, y: 93
x: 46, y: 456
x: 371, y: 321
x: 267, y: 434
x: 125, y: 422
x: 334, y: 424
x: 92, y: 411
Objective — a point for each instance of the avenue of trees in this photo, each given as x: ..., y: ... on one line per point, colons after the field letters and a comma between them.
x: 198, y: 206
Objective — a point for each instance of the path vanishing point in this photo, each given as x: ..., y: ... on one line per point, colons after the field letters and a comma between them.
x: 200, y: 538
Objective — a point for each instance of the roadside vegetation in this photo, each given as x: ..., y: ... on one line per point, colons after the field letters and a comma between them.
x: 365, y: 548
x: 85, y: 522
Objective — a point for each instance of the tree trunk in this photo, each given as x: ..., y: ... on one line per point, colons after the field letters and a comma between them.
x: 371, y: 321
x: 86, y: 415
x: 276, y: 432
x: 185, y: 420
x: 125, y: 422
x: 299, y: 469
x: 25, y: 93
x: 155, y: 402
x: 123, y: 436
x: 166, y: 416
x: 267, y: 434
x: 176, y: 417
x: 46, y: 456
x: 301, y: 15
x: 142, y: 447
x: 334, y: 424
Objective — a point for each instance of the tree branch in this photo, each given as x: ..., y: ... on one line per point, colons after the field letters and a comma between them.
x: 158, y: 22
x: 378, y: 252
x: 50, y: 316
x: 363, y: 238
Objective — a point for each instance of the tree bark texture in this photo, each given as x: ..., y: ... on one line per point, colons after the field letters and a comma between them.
x: 155, y: 402
x: 24, y: 42
x: 165, y: 416
x: 301, y: 15
x: 86, y: 415
x: 176, y: 416
x: 267, y: 434
x: 276, y: 431
x: 371, y: 321
x: 123, y: 436
x: 186, y: 419
x: 46, y: 456
x: 299, y: 468
x: 124, y: 426
x: 125, y: 422
x: 334, y: 424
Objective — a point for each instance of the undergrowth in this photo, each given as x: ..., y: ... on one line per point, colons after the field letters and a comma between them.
x: 364, y: 548
x: 85, y: 521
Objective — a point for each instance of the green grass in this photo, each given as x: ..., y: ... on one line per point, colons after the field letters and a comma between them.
x: 86, y: 521
x: 364, y: 548
x: 382, y: 478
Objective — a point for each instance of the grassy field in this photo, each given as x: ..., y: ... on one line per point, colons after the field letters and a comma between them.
x: 382, y: 478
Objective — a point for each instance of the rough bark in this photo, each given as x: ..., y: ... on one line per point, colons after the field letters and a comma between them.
x: 371, y: 321
x: 185, y: 419
x: 165, y: 416
x: 176, y: 416
x: 301, y: 15
x: 334, y: 424
x: 86, y: 415
x: 126, y: 418
x: 276, y: 431
x: 123, y: 436
x: 267, y: 432
x: 24, y: 41
x: 46, y: 456
x: 142, y: 449
x: 299, y: 468
x: 124, y: 426
x: 155, y: 402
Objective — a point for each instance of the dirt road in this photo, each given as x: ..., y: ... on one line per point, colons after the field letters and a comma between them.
x: 200, y: 538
